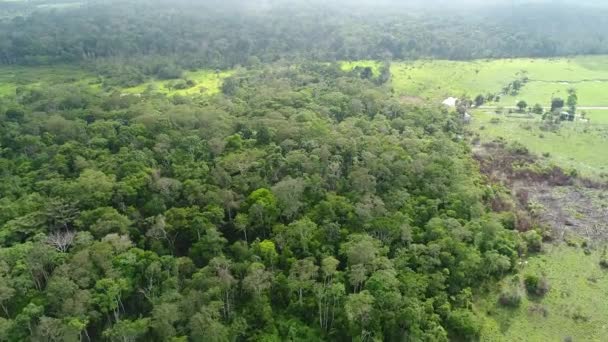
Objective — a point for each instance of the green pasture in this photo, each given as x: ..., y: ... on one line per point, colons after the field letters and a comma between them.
x: 576, y: 145
x: 437, y: 80
x: 590, y: 93
x: 575, y: 306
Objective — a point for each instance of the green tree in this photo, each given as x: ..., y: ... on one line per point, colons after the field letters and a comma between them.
x: 358, y: 309
x: 522, y: 105
x: 128, y: 330
x: 480, y: 100
x: 572, y: 100
x: 302, y: 276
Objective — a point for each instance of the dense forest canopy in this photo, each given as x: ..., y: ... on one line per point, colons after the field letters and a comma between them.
x: 224, y: 34
x: 305, y: 203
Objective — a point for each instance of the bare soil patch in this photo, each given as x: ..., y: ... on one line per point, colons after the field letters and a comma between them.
x: 546, y: 196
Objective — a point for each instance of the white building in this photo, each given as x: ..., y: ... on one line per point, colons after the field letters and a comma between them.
x: 450, y: 102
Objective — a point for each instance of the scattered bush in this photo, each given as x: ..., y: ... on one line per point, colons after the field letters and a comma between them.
x: 510, y: 297
x: 534, y: 241
x: 539, y: 310
x: 518, y: 148
x: 536, y: 285
x: 579, y: 316
x: 604, y: 259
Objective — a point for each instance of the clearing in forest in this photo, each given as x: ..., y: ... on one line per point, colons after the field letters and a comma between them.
x: 203, y: 81
x: 572, y: 214
x: 542, y: 79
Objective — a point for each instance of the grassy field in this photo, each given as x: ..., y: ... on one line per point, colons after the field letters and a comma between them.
x: 11, y: 77
x: 207, y: 82
x: 576, y: 145
x: 436, y: 80
x: 574, y: 307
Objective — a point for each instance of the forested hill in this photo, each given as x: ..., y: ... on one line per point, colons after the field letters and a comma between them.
x: 304, y: 204
x: 223, y: 34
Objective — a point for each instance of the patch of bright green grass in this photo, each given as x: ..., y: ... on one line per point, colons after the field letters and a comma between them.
x: 436, y: 80
x: 597, y: 117
x: 207, y: 82
x: 575, y: 305
x: 348, y: 66
x: 575, y: 145
x: 59, y: 6
x: 12, y: 77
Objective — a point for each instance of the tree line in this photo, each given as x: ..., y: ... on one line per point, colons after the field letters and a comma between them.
x: 216, y: 34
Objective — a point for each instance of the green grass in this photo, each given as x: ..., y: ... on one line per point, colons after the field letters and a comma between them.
x: 597, y: 117
x: 207, y: 82
x: 436, y: 80
x: 575, y: 145
x: 578, y: 286
x: 375, y: 65
x: 12, y: 77
x: 59, y: 6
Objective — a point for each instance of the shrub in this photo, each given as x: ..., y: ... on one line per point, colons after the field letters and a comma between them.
x: 536, y: 285
x: 518, y: 148
x: 178, y: 85
x: 534, y: 241
x: 604, y: 259
x: 464, y: 324
x: 510, y: 297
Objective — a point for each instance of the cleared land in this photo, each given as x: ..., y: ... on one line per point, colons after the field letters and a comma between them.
x: 547, y: 78
x: 575, y: 145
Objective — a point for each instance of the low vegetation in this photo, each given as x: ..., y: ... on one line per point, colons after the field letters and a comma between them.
x: 572, y: 308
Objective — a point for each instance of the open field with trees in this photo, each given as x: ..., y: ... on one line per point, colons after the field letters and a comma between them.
x: 572, y: 145
x: 542, y: 79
